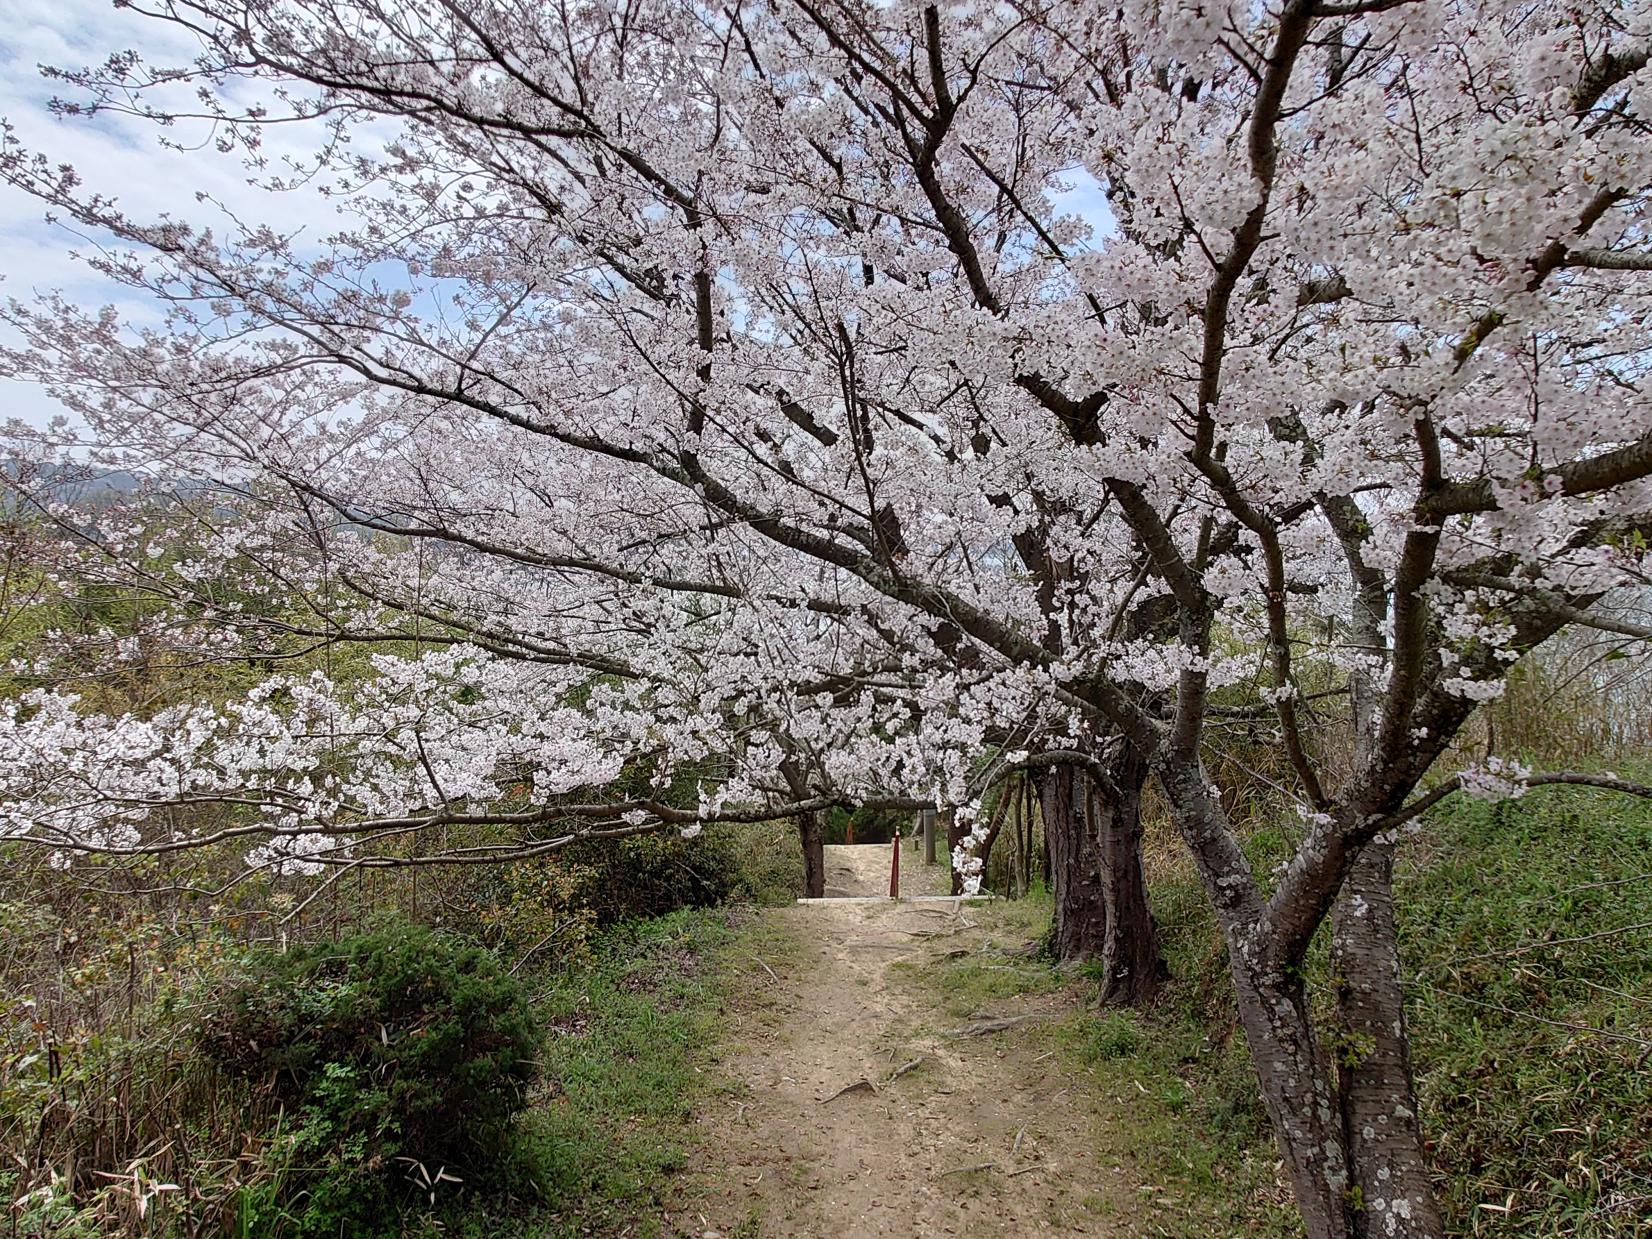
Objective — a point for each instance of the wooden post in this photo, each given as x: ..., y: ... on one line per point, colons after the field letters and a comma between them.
x: 895, y: 868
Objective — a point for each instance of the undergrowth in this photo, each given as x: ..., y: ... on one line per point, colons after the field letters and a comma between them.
x: 1526, y: 940
x: 628, y: 1055
x: 1526, y: 934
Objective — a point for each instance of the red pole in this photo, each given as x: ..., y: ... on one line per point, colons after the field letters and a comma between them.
x: 895, y: 868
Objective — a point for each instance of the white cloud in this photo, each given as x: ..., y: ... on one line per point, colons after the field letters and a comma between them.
x: 122, y: 157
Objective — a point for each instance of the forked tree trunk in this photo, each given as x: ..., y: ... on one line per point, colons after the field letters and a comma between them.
x: 1347, y: 1130
x: 1133, y: 968
x: 1374, y: 1083
x: 1101, y: 906
x: 1079, y: 930
x: 1292, y: 1073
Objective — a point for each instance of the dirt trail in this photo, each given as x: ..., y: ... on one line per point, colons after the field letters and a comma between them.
x: 904, y: 1150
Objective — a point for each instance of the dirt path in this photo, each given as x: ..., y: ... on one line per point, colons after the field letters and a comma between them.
x: 858, y: 1109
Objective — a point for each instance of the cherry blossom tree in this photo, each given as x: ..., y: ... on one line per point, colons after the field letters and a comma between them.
x: 1089, y: 366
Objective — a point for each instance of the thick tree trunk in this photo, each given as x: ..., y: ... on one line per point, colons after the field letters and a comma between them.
x: 1101, y: 906
x: 1133, y: 969
x: 1080, y: 926
x: 811, y: 834
x: 1295, y: 1086
x: 1375, y: 1085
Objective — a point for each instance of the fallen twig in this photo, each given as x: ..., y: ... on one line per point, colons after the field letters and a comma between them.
x: 862, y: 1085
x: 981, y: 1028
x: 967, y: 1169
x: 903, y: 1069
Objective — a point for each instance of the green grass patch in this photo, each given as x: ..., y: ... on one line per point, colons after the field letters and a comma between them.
x: 1175, y: 1106
x: 977, y: 983
x: 1530, y: 998
x: 628, y: 1057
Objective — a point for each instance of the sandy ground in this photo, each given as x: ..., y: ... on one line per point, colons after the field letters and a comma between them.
x: 901, y: 1152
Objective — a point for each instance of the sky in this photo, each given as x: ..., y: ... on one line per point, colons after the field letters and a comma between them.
x: 114, y: 155
x: 125, y: 158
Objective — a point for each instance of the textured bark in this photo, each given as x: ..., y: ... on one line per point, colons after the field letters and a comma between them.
x: 1296, y: 1090
x: 1375, y: 1085
x: 811, y: 834
x: 1100, y: 892
x: 1080, y: 927
x: 1375, y: 1088
x: 1292, y: 1073
x: 1133, y: 968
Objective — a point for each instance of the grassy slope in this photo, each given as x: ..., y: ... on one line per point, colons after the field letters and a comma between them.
x: 1537, y: 1128
x: 631, y: 1051
x: 1540, y: 1126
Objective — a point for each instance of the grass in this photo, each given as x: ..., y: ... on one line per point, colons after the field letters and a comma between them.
x: 1530, y: 1000
x: 629, y: 1056
x: 1529, y: 985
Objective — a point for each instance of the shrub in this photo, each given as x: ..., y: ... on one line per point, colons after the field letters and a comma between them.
x: 398, y: 1055
x: 652, y: 875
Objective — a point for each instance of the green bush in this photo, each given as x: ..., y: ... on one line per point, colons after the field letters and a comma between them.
x: 653, y: 875
x: 401, y: 1058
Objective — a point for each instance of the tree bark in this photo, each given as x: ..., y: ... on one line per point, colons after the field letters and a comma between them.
x: 1133, y: 968
x: 1292, y: 1072
x: 1079, y: 930
x: 1293, y: 1077
x: 1375, y: 1087
x: 1375, y: 1084
x: 811, y: 834
x: 1101, y: 905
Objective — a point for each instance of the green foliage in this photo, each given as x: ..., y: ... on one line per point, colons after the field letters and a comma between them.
x: 402, y: 1057
x: 631, y: 1036
x: 1115, y: 1035
x: 655, y: 874
x: 862, y: 825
